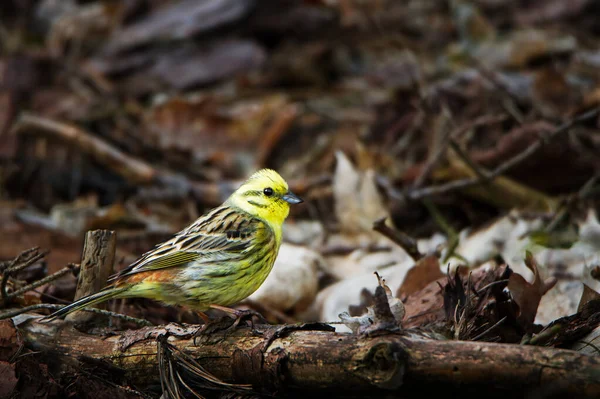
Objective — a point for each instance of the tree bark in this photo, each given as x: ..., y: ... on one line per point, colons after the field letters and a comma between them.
x: 97, y: 263
x: 302, y: 359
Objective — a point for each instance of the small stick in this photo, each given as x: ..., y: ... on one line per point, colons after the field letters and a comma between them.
x: 403, y: 240
x: 483, y: 175
x: 52, y: 306
x: 96, y: 266
x: 501, y: 169
x: 39, y: 283
x: 435, y: 158
x: 583, y: 192
x: 449, y: 138
x: 18, y: 259
x: 131, y: 168
x: 273, y: 133
x: 478, y: 337
x: 35, y: 256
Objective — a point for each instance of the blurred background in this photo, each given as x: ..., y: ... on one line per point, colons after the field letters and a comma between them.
x: 140, y: 115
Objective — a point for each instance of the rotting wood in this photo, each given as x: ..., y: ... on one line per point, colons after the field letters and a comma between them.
x: 97, y: 263
x: 303, y: 361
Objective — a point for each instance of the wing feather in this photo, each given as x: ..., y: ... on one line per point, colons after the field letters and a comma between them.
x: 218, y: 236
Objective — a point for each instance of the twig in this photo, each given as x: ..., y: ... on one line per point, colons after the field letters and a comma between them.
x: 18, y: 259
x: 490, y: 285
x: 583, y: 192
x: 449, y: 139
x: 131, y: 168
x: 545, y: 334
x: 510, y: 100
x: 489, y: 329
x: 19, y: 266
x: 435, y: 158
x: 273, y: 133
x: 589, y: 344
x: 51, y: 306
x: 501, y: 169
x: 467, y: 159
x: 39, y: 283
x: 403, y: 240
x: 347, y: 249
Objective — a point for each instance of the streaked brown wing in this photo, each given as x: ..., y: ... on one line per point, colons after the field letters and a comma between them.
x: 221, y: 235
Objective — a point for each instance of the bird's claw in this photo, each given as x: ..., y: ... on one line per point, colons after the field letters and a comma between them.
x: 246, y: 315
x: 227, y: 324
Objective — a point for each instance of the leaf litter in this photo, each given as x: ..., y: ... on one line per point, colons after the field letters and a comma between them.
x: 138, y: 117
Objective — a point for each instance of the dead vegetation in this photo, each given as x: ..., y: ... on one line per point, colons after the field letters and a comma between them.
x: 451, y: 147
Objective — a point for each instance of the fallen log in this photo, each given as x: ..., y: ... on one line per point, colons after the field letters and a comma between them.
x: 310, y: 358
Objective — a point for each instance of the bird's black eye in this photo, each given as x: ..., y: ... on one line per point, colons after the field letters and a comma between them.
x: 268, y: 191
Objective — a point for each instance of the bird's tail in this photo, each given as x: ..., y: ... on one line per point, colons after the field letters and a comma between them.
x: 104, y: 295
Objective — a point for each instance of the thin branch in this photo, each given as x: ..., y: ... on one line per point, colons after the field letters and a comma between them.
x: 23, y: 257
x: 51, y: 306
x: 403, y: 240
x: 483, y: 175
x: 510, y: 99
x: 583, y: 192
x: 39, y: 283
x: 437, y: 156
x: 478, y: 337
x: 501, y: 169
x: 18, y: 259
x: 133, y: 169
x: 491, y: 284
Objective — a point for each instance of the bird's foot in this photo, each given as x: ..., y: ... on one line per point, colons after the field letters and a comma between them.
x: 242, y: 315
x: 228, y: 324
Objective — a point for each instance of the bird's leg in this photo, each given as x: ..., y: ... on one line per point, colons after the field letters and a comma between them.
x: 203, y: 316
x: 227, y: 323
x: 241, y: 315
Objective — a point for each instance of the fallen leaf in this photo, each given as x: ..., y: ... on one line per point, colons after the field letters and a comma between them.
x: 9, y: 340
x: 8, y: 379
x: 425, y: 306
x: 420, y: 275
x: 386, y: 313
x: 396, y: 306
x: 357, y: 201
x: 587, y: 295
x: 527, y: 295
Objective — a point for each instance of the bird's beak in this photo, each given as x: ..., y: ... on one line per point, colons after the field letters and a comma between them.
x: 292, y: 198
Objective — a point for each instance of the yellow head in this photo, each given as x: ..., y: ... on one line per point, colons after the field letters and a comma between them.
x: 265, y: 195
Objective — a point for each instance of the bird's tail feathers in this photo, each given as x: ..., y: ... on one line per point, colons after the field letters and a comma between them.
x: 104, y: 295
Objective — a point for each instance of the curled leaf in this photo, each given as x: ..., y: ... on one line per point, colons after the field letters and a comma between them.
x: 526, y: 295
x: 385, y: 314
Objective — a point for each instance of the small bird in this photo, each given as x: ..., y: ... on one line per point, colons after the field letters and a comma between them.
x: 220, y: 259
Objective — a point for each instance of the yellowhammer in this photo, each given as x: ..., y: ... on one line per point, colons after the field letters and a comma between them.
x: 218, y: 260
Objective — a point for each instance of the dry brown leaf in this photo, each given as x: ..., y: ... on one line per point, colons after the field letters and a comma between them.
x: 425, y: 306
x: 357, y: 202
x: 420, y: 275
x: 386, y: 312
x: 527, y: 295
x: 8, y: 379
x: 587, y: 295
